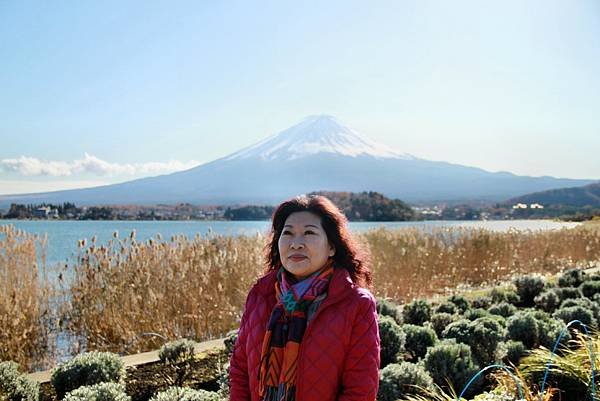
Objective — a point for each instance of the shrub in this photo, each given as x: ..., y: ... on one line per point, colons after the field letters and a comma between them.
x: 503, y: 309
x: 473, y: 314
x: 418, y: 339
x: 524, y: 327
x: 547, y: 301
x: 461, y: 302
x: 513, y: 351
x: 416, y: 312
x: 528, y: 287
x: 590, y: 288
x: 571, y: 278
x: 392, y: 340
x: 439, y: 321
x: 586, y: 303
x: 177, y: 393
x: 229, y: 340
x: 482, y: 335
x: 389, y: 308
x: 570, y: 313
x: 398, y: 380
x: 450, y: 361
x: 446, y: 307
x: 568, y: 293
x: 482, y: 302
x: 504, y: 295
x: 99, y: 392
x: 15, y: 386
x: 87, y: 369
x: 177, y: 351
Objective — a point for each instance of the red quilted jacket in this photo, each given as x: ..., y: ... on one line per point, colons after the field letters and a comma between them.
x: 339, y: 353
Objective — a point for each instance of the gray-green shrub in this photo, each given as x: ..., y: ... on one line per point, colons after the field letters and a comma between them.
x: 392, y: 340
x: 446, y: 307
x: 568, y: 293
x: 524, y: 327
x: 504, y: 295
x: 99, y: 392
x: 452, y: 361
x: 177, y: 393
x: 416, y: 312
x: 87, y: 369
x: 483, y: 302
x: 571, y: 278
x: 590, y: 288
x: 387, y: 307
x: 528, y: 287
x: 15, y: 386
x: 547, y: 300
x: 177, y: 351
x: 229, y: 340
x: 439, y: 322
x: 513, y: 351
x: 461, y: 302
x: 398, y: 380
x: 482, y: 335
x: 418, y: 339
x: 577, y: 312
x: 503, y: 309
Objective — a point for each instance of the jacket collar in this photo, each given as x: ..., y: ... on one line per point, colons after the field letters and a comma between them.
x: 339, y: 284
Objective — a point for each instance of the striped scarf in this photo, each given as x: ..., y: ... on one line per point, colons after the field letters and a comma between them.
x: 296, y: 301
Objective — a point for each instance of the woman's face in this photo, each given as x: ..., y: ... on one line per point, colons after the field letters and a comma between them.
x: 303, y: 244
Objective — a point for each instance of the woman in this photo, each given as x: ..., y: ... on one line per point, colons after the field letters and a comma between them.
x: 309, y: 329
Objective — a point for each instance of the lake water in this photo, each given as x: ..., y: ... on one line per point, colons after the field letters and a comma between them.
x: 63, y: 236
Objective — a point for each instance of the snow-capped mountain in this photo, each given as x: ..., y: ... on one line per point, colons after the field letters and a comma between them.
x: 317, y: 134
x: 319, y: 153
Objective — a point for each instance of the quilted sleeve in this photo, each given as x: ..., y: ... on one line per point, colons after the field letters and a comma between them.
x: 360, y: 378
x: 238, y: 364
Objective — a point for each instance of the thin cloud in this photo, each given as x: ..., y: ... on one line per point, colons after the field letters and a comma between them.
x: 90, y: 164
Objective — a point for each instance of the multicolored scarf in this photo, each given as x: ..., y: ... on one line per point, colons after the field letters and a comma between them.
x: 295, y: 302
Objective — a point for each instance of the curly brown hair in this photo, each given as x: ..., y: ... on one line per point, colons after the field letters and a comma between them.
x: 349, y: 254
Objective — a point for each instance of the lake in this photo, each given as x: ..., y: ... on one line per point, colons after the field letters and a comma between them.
x: 63, y: 235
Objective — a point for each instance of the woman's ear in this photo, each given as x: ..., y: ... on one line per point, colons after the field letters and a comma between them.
x: 331, y: 250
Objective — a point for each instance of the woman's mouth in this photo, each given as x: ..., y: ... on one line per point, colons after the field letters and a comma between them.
x: 297, y: 258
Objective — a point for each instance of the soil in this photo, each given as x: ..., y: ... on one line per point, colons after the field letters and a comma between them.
x: 143, y: 381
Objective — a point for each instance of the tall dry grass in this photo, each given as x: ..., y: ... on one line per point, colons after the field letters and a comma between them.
x: 123, y: 293
x: 128, y: 296
x: 25, y: 314
x: 410, y: 263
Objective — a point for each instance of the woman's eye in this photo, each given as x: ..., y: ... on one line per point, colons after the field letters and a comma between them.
x: 309, y: 232
x: 286, y: 233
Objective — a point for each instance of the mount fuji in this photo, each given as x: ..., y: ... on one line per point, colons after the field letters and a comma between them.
x: 319, y: 153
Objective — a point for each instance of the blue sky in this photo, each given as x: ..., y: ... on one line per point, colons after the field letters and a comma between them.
x: 102, y: 92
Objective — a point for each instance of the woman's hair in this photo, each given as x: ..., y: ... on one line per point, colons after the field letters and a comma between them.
x: 349, y: 254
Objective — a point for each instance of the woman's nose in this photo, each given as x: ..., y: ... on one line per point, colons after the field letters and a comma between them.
x: 297, y: 244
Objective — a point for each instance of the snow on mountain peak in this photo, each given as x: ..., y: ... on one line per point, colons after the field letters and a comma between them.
x: 316, y: 134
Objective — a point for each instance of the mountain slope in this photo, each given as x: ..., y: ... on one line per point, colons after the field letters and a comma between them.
x: 319, y: 153
x: 588, y: 195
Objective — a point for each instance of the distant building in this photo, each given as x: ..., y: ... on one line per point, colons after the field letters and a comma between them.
x: 45, y: 212
x: 520, y: 206
x: 536, y: 206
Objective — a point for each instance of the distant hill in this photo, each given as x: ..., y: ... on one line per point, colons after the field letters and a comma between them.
x: 319, y: 152
x: 369, y: 206
x: 588, y: 195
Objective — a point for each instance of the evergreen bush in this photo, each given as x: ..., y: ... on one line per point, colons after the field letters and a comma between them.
x: 453, y: 362
x: 439, y: 322
x: 503, y: 309
x: 418, y: 339
x: 577, y: 312
x: 568, y: 293
x: 504, y: 295
x: 528, y: 287
x: 399, y: 380
x: 177, y: 351
x: 590, y: 288
x: 392, y: 340
x: 571, y: 278
x: 461, y: 302
x: 389, y: 308
x: 105, y: 391
x: 483, y: 302
x: 229, y: 340
x: 482, y: 335
x: 513, y: 351
x: 547, y: 301
x: 524, y: 327
x: 87, y: 369
x: 446, y: 307
x: 177, y: 393
x: 15, y: 386
x: 416, y: 312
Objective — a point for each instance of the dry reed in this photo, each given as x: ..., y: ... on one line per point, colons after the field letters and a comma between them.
x: 128, y: 296
x: 25, y: 312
